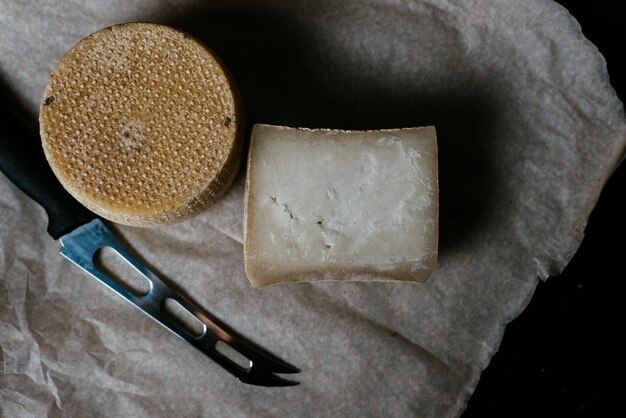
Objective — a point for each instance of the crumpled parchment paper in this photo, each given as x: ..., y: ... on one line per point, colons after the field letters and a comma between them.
x: 529, y: 130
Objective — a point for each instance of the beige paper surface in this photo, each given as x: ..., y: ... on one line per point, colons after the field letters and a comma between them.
x: 529, y: 130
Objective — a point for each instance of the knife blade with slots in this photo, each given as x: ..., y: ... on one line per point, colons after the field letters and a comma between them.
x: 82, y: 234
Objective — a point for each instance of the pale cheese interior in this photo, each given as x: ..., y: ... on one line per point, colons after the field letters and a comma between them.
x: 324, y: 204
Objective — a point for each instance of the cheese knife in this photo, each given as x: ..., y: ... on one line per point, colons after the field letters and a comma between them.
x: 82, y: 234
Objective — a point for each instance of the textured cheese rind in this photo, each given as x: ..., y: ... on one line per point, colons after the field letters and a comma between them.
x: 340, y: 205
x: 142, y: 124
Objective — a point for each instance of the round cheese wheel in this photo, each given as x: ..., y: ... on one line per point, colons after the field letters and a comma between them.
x: 141, y: 123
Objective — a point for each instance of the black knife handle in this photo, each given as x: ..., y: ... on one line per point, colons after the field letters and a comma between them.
x: 22, y: 160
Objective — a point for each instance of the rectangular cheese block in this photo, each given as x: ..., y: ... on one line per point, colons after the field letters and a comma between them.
x: 340, y: 205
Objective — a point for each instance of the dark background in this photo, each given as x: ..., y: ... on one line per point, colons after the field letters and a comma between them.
x: 565, y: 355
